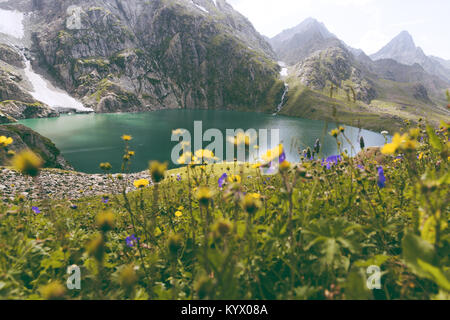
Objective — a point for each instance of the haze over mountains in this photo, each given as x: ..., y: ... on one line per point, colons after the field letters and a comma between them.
x: 403, y: 49
x: 399, y: 81
x: 295, y: 44
x: 310, y: 46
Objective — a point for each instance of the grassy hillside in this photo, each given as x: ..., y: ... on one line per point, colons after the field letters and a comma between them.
x: 393, y: 105
x: 309, y: 231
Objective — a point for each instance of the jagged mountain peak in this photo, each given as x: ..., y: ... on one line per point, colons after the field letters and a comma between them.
x: 309, y: 25
x: 295, y: 44
x: 406, y: 38
x: 403, y: 49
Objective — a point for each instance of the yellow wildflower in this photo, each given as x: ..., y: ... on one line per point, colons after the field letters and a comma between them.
x: 157, y: 170
x: 126, y: 137
x: 204, y: 195
x: 235, y: 178
x: 4, y: 141
x: 285, y: 165
x: 178, y: 214
x: 185, y: 158
x: 251, y: 204
x: 27, y: 162
x: 256, y: 165
x: 204, y: 155
x: 273, y: 153
x: 399, y: 142
x: 334, y: 133
x: 142, y: 183
x: 105, y: 221
x: 106, y: 166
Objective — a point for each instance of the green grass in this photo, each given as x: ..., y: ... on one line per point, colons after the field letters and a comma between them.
x: 387, y: 112
x: 312, y: 234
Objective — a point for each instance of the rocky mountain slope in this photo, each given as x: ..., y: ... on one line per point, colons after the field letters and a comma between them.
x: 403, y: 49
x: 146, y: 55
x: 326, y: 74
x: 25, y: 138
x: 295, y: 44
x: 335, y: 67
x: 15, y: 100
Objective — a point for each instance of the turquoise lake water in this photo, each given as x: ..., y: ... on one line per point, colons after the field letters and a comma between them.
x: 86, y: 140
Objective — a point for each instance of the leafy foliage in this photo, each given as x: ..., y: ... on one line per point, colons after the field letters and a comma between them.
x: 308, y: 232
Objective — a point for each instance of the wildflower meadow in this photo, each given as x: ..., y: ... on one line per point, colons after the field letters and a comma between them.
x: 338, y: 227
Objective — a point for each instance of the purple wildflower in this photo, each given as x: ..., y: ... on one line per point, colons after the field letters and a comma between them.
x: 222, y: 180
x: 74, y: 206
x: 332, y: 160
x: 381, y: 178
x: 132, y: 240
x: 282, y: 157
x: 178, y: 177
x: 105, y: 200
x: 36, y: 210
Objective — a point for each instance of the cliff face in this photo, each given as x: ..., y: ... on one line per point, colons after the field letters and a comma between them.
x: 15, y: 100
x: 146, y: 55
x: 25, y: 138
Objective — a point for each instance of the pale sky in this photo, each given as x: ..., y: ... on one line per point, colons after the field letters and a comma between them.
x: 365, y: 24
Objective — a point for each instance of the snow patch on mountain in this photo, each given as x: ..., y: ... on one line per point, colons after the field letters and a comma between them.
x: 43, y: 91
x: 11, y: 23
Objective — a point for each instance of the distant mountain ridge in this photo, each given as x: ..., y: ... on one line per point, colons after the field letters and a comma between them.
x: 299, y: 42
x: 325, y: 71
x: 404, y: 50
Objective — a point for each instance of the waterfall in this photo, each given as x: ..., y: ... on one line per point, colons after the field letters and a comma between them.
x: 283, y: 98
x: 283, y: 75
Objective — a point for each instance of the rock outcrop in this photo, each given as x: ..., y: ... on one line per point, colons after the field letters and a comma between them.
x: 25, y: 138
x: 15, y: 100
x: 146, y: 55
x: 335, y: 66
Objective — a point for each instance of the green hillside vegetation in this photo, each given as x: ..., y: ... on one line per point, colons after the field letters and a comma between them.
x: 387, y: 111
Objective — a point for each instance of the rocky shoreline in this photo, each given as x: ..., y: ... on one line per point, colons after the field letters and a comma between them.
x: 60, y: 184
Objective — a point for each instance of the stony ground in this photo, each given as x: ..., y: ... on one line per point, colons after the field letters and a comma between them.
x: 59, y: 184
